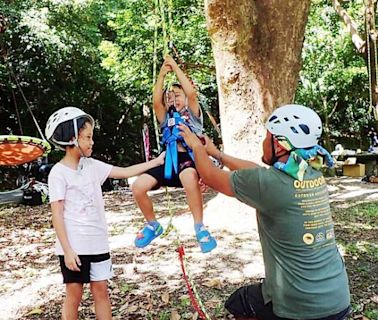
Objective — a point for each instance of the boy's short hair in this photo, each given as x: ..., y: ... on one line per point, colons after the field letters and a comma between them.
x: 65, y: 131
x: 177, y: 85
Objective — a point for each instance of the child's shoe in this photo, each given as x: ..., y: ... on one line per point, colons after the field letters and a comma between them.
x: 148, y: 233
x: 206, y: 241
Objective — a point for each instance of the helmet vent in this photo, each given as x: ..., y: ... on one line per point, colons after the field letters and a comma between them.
x: 296, y: 117
x: 305, y: 128
x: 293, y: 129
x: 286, y: 119
x: 272, y: 118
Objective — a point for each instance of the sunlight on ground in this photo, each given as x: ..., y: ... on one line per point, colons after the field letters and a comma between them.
x: 237, y: 258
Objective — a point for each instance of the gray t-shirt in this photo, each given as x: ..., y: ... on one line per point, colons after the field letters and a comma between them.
x: 196, y: 123
x: 305, y: 274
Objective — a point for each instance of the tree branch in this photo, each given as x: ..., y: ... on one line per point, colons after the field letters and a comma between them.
x: 351, y: 26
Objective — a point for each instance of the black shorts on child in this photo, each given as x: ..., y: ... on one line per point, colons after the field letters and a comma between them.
x: 184, y: 162
x: 96, y: 267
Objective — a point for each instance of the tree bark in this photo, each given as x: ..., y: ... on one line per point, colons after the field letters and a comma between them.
x: 257, y: 49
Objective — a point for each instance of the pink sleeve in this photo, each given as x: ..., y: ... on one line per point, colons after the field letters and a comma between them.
x: 57, y: 187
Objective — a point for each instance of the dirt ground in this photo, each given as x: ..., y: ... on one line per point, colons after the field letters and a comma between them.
x: 148, y: 283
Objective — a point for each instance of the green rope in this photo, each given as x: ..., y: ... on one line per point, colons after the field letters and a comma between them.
x: 164, y: 28
x: 368, y: 56
x: 170, y: 227
x: 154, y: 73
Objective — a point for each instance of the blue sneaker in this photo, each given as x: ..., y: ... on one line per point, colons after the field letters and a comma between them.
x: 206, y: 241
x: 147, y: 234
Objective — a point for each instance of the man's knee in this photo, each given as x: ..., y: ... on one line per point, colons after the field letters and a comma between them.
x: 240, y: 302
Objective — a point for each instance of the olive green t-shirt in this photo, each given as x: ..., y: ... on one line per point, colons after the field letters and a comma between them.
x: 305, y: 276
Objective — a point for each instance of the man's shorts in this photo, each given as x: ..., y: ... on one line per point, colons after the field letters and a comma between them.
x: 248, y: 302
x: 184, y: 162
x: 96, y: 267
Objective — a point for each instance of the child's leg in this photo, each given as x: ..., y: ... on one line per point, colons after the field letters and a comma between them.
x: 153, y: 229
x: 140, y: 188
x: 100, y: 294
x: 74, y: 291
x: 189, y: 179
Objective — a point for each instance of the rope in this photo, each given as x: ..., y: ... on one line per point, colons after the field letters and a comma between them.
x: 164, y: 28
x: 154, y: 72
x: 193, y: 293
x: 170, y: 225
x: 372, y: 107
x: 375, y: 108
x: 26, y: 102
x: 16, y: 106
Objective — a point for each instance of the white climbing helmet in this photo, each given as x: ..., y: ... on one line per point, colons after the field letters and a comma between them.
x: 61, y: 116
x: 299, y: 124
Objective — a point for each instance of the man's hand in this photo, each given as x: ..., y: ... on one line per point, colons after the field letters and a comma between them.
x: 72, y: 260
x: 190, y: 138
x: 211, y: 149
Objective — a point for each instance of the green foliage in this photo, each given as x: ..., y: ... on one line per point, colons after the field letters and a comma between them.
x: 97, y: 55
x: 334, y: 79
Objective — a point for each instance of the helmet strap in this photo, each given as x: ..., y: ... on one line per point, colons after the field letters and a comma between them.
x: 76, y: 141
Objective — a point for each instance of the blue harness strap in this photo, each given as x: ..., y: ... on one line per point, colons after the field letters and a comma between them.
x: 171, y: 137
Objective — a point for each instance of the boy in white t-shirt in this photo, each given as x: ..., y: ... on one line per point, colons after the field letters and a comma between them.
x: 78, y: 213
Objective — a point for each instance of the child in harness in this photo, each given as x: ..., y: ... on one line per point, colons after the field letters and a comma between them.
x: 179, y: 105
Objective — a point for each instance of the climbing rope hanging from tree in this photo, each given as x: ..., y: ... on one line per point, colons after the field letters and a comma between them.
x: 372, y: 51
x: 167, y: 46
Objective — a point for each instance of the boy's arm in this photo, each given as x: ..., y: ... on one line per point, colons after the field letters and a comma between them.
x: 137, y: 169
x: 157, y: 97
x: 71, y: 259
x: 187, y: 86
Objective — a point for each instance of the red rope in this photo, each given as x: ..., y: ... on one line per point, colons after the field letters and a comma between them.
x: 195, y: 304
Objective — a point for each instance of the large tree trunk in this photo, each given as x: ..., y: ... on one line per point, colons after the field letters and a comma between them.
x: 257, y: 49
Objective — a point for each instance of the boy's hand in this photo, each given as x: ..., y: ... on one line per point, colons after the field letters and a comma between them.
x: 190, y: 138
x: 160, y: 159
x: 72, y: 260
x: 165, y: 68
x: 169, y: 61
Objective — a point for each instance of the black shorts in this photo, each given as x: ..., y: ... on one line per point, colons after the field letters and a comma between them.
x: 184, y: 160
x: 100, y: 264
x: 248, y: 302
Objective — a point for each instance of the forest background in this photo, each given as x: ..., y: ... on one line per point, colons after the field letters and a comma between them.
x: 102, y: 56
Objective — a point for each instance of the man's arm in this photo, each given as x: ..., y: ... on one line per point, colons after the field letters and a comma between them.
x: 137, y: 169
x: 230, y: 162
x: 219, y: 180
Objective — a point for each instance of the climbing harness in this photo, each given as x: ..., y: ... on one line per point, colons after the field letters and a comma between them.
x: 171, y: 137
